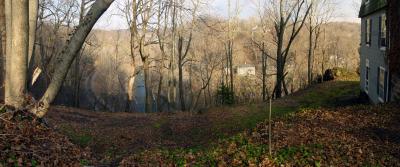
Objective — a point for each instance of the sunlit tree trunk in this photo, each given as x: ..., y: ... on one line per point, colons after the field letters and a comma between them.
x: 2, y: 45
x: 16, y: 72
x: 33, y: 16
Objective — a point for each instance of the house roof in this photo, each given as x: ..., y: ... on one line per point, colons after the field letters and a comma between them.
x: 372, y: 6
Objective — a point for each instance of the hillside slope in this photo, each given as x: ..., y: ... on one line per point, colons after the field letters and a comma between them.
x: 112, y: 136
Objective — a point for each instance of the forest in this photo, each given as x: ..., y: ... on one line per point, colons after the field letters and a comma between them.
x: 179, y: 85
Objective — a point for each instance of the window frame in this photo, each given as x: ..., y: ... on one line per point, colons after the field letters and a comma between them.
x: 368, y: 31
x: 383, y: 35
x: 384, y: 86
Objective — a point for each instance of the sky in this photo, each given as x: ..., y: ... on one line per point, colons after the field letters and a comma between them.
x: 346, y: 10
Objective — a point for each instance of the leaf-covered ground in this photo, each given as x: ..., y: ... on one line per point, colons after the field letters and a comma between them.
x: 113, y: 136
x: 25, y: 141
x: 350, y: 136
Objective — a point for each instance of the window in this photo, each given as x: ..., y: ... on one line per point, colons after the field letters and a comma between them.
x: 367, y: 76
x: 382, y: 31
x: 368, y: 31
x: 382, y: 84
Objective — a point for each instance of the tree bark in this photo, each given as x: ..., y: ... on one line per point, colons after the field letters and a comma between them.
x: 310, y: 53
x: 68, y: 55
x: 2, y: 46
x: 33, y: 16
x: 394, y: 50
x: 264, y: 73
x: 159, y: 89
x: 180, y: 82
x: 149, y: 99
x: 17, y: 60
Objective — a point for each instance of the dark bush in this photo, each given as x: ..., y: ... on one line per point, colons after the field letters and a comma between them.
x: 225, y: 95
x: 329, y: 75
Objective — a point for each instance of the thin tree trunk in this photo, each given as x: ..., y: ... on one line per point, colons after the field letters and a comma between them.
x: 159, y: 89
x: 264, y: 73
x: 310, y: 52
x: 181, y: 89
x: 148, y: 103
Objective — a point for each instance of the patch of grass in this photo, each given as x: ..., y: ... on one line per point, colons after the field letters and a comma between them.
x: 326, y: 97
x: 84, y: 162
x: 300, y: 155
x: 81, y: 138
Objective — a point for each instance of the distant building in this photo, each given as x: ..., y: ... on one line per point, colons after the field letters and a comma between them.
x: 374, y: 65
x: 242, y: 70
x: 245, y: 70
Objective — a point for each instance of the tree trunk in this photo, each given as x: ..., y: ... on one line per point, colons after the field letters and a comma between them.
x: 264, y: 73
x: 279, y: 66
x: 394, y: 51
x: 17, y: 60
x: 180, y: 74
x: 231, y: 66
x: 310, y: 54
x: 159, y: 89
x: 68, y: 55
x: 33, y: 16
x: 2, y: 46
x: 149, y: 99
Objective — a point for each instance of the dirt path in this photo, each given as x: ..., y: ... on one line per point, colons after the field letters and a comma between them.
x: 114, y: 135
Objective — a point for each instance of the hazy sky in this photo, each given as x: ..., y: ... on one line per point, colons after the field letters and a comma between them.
x: 346, y: 11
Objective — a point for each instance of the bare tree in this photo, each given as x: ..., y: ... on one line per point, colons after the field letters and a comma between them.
x: 288, y: 17
x: 320, y: 14
x: 183, y: 49
x: 163, y: 16
x: 209, y: 63
x: 229, y: 45
x: 131, y: 13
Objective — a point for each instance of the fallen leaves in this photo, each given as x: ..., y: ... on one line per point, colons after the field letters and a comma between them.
x: 349, y: 136
x: 24, y: 141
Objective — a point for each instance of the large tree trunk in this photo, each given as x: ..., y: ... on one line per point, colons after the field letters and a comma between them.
x: 394, y: 51
x: 68, y: 55
x: 2, y: 46
x: 18, y: 55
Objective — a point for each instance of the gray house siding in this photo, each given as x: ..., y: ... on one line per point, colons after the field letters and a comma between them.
x: 376, y: 57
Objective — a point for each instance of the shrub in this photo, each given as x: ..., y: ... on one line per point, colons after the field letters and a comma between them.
x: 225, y: 95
